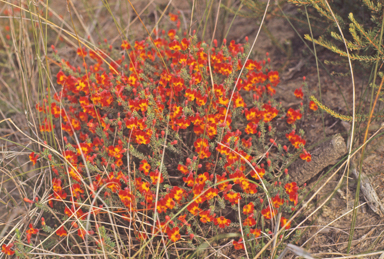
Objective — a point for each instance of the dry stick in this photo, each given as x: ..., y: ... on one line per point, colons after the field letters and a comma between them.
x: 313, y: 196
x: 327, y: 153
x: 241, y: 228
x: 86, y: 72
x: 370, y: 194
x: 55, y: 27
x: 66, y: 255
x: 182, y: 14
x: 130, y: 23
x: 238, y: 78
x: 276, y: 230
x: 166, y: 131
x: 330, y: 223
x: 193, y: 9
x: 18, y: 225
x: 187, y: 204
x: 58, y: 154
x: 370, y: 118
x: 82, y: 155
x: 218, y: 252
x: 57, y: 16
x: 151, y: 39
x: 353, y: 92
x: 15, y: 212
x: 161, y: 16
x: 249, y: 163
x: 23, y: 76
x: 353, y: 111
x: 83, y: 42
x: 75, y: 134
x: 41, y: 64
x: 7, y: 48
x: 156, y: 27
x: 93, y: 24
x: 158, y: 180
x: 214, y: 29
x: 11, y: 93
x: 209, y: 50
x: 110, y: 218
x: 81, y: 22
x: 356, y: 256
x: 130, y: 184
x: 249, y: 53
x: 296, y: 250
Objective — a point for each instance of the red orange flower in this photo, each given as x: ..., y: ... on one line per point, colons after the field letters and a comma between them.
x: 306, y: 156
x: 293, y: 115
x: 143, y: 187
x: 238, y: 245
x: 269, y: 112
x: 284, y: 221
x: 211, y: 193
x: 268, y: 212
x: 173, y: 17
x: 125, y: 45
x: 142, y: 138
x: 81, y: 52
x: 177, y: 193
x: 260, y: 172
x: 183, y: 169
x: 81, y: 233
x: 61, y: 232
x: 171, y: 34
x: 273, y: 77
x: 175, y: 45
x: 201, y: 99
x: 173, y: 234
x: 145, y: 167
x: 31, y: 231
x: 291, y: 188
x: 252, y: 65
x: 256, y: 232
x: 116, y: 151
x: 127, y: 197
x: 202, y: 178
x: 77, y: 190
x: 222, y: 222
x: 238, y: 100
x: 61, y: 77
x: 193, y: 208
x: 232, y: 197
x: 33, y: 158
x: 128, y: 104
x: 313, y: 106
x: 248, y: 209
x: 190, y: 180
x: 6, y: 249
x: 250, y: 221
x: 295, y: 140
x: 277, y: 201
x: 155, y: 175
x: 299, y: 93
x: 224, y: 185
x: 206, y: 216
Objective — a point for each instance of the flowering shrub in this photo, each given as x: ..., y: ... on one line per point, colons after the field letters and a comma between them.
x: 167, y: 139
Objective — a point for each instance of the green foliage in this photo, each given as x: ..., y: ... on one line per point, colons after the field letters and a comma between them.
x: 362, y: 36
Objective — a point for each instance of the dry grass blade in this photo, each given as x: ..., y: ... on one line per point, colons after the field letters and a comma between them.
x: 313, y: 196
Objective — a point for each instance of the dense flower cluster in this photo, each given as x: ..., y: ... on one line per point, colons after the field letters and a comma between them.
x: 167, y: 125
